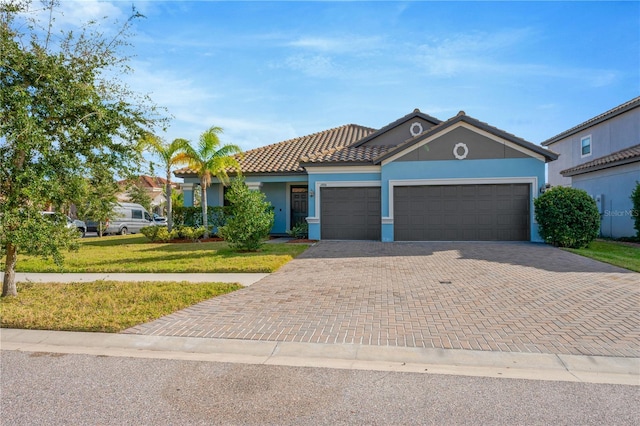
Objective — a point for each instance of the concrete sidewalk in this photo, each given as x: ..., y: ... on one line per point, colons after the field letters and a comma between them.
x: 571, y: 368
x: 246, y: 279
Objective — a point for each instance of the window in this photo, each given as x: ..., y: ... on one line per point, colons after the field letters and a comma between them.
x: 136, y: 214
x: 585, y: 146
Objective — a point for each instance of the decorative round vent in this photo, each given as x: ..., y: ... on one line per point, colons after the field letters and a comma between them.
x: 460, y: 147
x: 415, y: 129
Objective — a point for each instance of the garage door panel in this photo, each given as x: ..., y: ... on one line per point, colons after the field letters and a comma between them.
x: 350, y: 213
x: 462, y: 212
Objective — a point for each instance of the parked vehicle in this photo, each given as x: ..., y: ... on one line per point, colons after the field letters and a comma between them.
x: 70, y: 223
x: 128, y: 218
x: 159, y: 220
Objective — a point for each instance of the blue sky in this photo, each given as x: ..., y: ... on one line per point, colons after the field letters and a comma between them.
x: 270, y: 71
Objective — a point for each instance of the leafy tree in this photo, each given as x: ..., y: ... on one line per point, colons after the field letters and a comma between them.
x: 209, y: 160
x: 635, y: 211
x: 61, y: 117
x: 567, y: 217
x: 138, y: 195
x: 250, y: 217
x: 169, y: 156
x: 97, y: 200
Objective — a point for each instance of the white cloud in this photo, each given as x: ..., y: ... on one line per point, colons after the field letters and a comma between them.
x: 72, y: 13
x: 338, y: 45
x: 312, y: 65
x: 482, y: 53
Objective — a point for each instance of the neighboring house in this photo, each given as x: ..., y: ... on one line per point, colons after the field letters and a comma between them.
x: 602, y: 157
x: 154, y: 186
x: 415, y: 179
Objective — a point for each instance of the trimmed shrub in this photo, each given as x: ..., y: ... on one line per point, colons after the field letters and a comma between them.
x: 635, y: 211
x: 300, y: 231
x: 249, y: 217
x: 567, y: 217
x: 158, y: 234
x: 190, y: 233
x: 192, y: 217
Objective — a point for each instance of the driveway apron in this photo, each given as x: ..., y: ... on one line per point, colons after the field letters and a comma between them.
x: 512, y: 297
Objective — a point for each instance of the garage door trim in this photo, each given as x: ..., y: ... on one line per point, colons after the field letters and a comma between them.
x: 331, y: 184
x: 533, y: 181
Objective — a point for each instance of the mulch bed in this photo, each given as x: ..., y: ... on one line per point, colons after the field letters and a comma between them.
x: 217, y: 239
x: 202, y: 240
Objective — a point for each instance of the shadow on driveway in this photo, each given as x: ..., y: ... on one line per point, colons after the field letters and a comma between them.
x: 534, y: 255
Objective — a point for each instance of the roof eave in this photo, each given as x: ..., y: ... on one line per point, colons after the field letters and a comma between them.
x: 337, y: 163
x: 608, y: 115
x: 594, y: 168
x: 416, y: 113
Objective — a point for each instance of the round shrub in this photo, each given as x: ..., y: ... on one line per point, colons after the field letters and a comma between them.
x: 567, y: 217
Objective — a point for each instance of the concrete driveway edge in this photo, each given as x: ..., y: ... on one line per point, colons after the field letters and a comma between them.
x: 572, y: 368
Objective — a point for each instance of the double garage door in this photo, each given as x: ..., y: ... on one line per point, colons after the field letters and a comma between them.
x: 462, y: 213
x: 429, y: 213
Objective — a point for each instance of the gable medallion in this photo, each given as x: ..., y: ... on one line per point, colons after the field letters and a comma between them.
x: 416, y: 128
x: 460, y: 147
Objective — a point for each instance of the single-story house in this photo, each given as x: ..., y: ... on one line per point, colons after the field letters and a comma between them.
x: 416, y: 179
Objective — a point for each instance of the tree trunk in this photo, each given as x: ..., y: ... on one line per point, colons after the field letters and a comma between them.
x: 205, y: 221
x: 9, y: 283
x: 169, y: 207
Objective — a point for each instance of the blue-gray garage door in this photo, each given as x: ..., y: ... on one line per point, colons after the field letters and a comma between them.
x: 462, y: 213
x: 351, y: 213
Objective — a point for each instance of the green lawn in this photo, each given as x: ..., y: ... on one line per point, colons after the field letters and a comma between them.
x: 133, y: 253
x: 103, y: 306
x: 619, y: 254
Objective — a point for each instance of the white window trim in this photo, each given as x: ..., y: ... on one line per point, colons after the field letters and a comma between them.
x: 590, y: 146
x: 532, y: 181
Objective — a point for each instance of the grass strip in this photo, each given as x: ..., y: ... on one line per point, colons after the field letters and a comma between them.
x: 133, y: 253
x: 102, y: 306
x: 615, y: 253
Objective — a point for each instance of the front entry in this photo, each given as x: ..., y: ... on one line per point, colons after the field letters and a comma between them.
x: 299, y: 210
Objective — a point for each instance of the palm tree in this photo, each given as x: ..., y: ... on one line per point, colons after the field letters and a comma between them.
x: 210, y: 159
x: 170, y: 155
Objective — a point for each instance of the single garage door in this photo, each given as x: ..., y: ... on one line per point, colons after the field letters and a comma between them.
x: 461, y: 213
x: 350, y: 213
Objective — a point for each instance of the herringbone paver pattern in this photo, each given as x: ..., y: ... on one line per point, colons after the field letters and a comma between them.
x: 517, y: 297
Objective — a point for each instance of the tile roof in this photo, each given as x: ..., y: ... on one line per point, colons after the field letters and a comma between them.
x: 145, y: 181
x: 461, y: 116
x: 284, y: 157
x: 624, y: 156
x: 347, y: 154
x: 633, y: 103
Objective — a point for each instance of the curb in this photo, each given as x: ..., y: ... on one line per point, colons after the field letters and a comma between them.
x: 513, y: 365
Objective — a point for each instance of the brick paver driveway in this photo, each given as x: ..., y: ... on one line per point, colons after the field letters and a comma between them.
x: 518, y: 297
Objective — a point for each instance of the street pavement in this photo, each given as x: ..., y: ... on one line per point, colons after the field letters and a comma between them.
x: 40, y: 388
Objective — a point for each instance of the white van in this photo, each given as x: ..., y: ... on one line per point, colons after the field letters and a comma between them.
x: 128, y: 218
